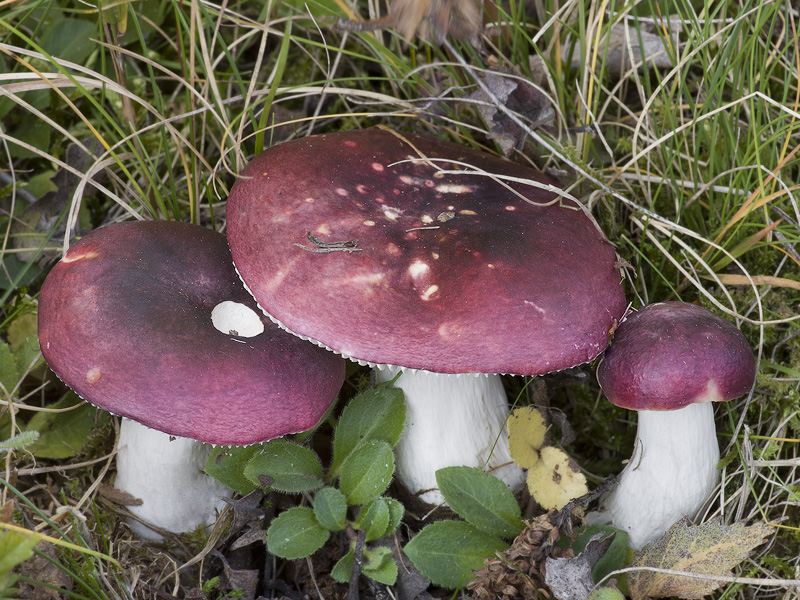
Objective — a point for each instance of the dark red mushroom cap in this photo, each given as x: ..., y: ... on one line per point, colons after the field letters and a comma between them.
x: 125, y: 320
x: 668, y: 355
x: 391, y: 262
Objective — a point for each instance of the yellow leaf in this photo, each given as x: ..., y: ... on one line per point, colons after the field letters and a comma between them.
x: 526, y: 430
x: 711, y: 549
x: 555, y: 480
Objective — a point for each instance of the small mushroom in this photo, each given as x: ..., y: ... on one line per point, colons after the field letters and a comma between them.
x: 409, y: 254
x: 669, y: 361
x: 149, y: 321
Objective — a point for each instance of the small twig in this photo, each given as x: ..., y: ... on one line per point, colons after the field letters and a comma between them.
x: 326, y: 247
x: 421, y: 228
x: 358, y: 557
x: 326, y: 250
x: 318, y: 242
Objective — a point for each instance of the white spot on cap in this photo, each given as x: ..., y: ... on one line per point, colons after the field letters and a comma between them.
x: 417, y: 269
x: 454, y: 188
x: 323, y: 229
x: 369, y: 223
x: 342, y: 192
x: 511, y: 208
x: 427, y: 219
x: 361, y: 188
x: 390, y: 214
x: 406, y: 179
x: 234, y: 318
x: 310, y: 200
x: 535, y: 306
x: 450, y: 330
x: 73, y: 256
x: 377, y: 167
x: 712, y: 392
x: 467, y: 212
x: 426, y: 295
x: 94, y: 374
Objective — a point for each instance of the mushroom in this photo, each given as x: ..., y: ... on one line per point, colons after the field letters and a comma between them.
x: 408, y: 254
x: 669, y: 361
x: 149, y: 321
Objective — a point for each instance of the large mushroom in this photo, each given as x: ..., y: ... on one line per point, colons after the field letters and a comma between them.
x: 149, y: 321
x: 669, y: 361
x: 393, y: 251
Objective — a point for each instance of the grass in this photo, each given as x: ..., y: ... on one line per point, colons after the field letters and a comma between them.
x: 692, y: 171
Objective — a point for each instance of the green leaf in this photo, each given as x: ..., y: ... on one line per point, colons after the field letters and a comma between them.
x: 344, y: 567
x: 379, y: 565
x: 15, y: 548
x: 227, y: 465
x: 376, y: 414
x: 9, y: 374
x: 447, y: 552
x: 64, y: 434
x: 481, y: 499
x: 373, y: 518
x: 367, y: 473
x: 69, y: 39
x: 286, y: 467
x: 330, y: 508
x: 296, y: 533
x: 26, y: 438
x: 23, y: 339
x: 396, y: 512
x: 613, y: 559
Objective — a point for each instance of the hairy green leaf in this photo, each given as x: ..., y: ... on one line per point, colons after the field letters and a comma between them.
x: 373, y: 518
x: 63, y: 434
x: 26, y: 438
x: 367, y: 473
x: 379, y: 565
x: 296, y: 533
x: 227, y: 465
x: 396, y: 512
x: 447, y: 552
x: 344, y: 567
x: 330, y: 508
x: 481, y: 499
x: 376, y: 414
x: 286, y: 467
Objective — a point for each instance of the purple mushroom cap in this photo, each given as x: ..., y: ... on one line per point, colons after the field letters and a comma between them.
x: 352, y: 241
x: 125, y: 321
x: 671, y: 354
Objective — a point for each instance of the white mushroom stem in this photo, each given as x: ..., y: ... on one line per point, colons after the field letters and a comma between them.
x: 451, y: 420
x: 671, y: 474
x: 166, y: 473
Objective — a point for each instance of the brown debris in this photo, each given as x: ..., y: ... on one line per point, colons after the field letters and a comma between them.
x: 431, y: 20
x: 519, y: 572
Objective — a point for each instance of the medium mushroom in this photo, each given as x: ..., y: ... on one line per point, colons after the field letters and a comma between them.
x: 149, y: 321
x: 669, y: 361
x: 409, y: 254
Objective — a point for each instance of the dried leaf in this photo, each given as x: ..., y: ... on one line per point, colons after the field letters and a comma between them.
x: 711, y: 549
x: 526, y: 431
x: 431, y: 20
x: 555, y: 479
x: 624, y: 44
x: 519, y: 96
x: 733, y: 279
x: 571, y: 578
